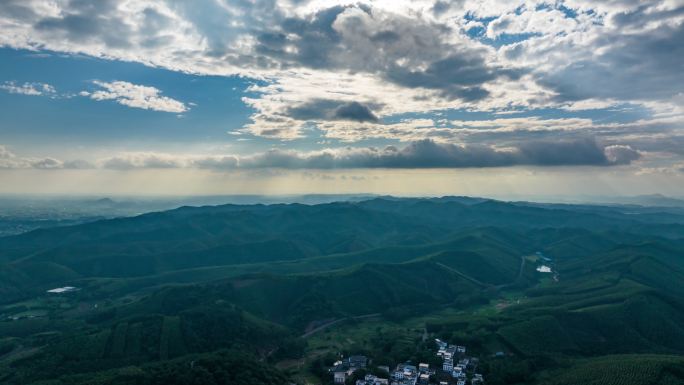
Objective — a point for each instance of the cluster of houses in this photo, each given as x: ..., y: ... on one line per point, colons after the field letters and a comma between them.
x: 408, y: 374
x: 456, y: 367
x: 370, y: 379
x: 343, y: 369
x: 457, y: 364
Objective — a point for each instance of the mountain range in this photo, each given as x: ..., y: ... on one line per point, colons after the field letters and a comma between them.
x: 247, y: 283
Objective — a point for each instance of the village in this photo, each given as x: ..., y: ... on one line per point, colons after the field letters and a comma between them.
x: 457, y: 369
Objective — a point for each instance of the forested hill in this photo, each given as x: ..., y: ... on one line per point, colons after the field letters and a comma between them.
x: 243, y: 283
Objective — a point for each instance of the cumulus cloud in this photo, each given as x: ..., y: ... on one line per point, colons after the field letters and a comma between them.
x: 531, y: 21
x: 637, y: 67
x: 407, y: 42
x: 621, y: 154
x: 33, y: 89
x: 136, y: 96
x: 429, y: 60
x: 347, y: 67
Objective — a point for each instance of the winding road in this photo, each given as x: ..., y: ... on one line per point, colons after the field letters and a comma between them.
x: 485, y: 285
x: 336, y: 321
x: 465, y: 276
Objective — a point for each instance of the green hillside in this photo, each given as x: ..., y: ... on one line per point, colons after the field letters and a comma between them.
x: 159, y: 327
x: 622, y: 370
x: 159, y: 291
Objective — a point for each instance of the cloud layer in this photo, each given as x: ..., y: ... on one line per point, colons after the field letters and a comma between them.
x: 486, y: 55
x: 420, y: 154
x: 8, y: 160
x: 393, y: 71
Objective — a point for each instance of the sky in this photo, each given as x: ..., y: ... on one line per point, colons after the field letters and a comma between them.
x: 491, y: 97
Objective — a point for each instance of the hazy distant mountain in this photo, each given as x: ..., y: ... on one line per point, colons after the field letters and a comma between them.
x: 650, y: 200
x: 656, y: 200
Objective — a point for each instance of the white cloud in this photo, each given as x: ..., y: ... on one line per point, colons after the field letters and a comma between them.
x: 142, y: 160
x: 507, y: 129
x: 416, y: 154
x: 136, y: 96
x: 33, y: 89
x: 395, y: 56
x: 47, y: 163
x: 9, y: 160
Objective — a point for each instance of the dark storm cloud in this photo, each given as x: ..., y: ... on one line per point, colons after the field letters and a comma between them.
x: 333, y: 110
x: 557, y: 153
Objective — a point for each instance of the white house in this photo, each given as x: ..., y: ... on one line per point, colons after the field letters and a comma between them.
x: 423, y: 367
x: 339, y: 377
x: 448, y: 365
